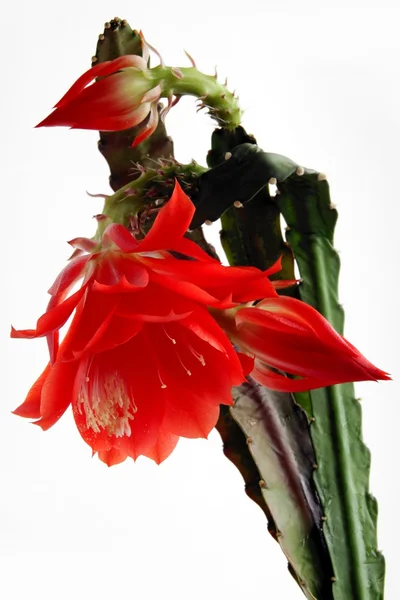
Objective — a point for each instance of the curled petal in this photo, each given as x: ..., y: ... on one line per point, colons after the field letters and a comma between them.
x: 150, y: 126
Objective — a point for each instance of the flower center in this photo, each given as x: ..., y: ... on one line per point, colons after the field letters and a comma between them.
x: 107, y: 405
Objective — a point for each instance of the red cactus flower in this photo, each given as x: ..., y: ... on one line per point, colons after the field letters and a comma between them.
x: 291, y: 336
x: 144, y: 361
x: 124, y: 96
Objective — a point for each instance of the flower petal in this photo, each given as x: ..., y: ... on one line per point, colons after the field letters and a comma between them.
x: 171, y: 223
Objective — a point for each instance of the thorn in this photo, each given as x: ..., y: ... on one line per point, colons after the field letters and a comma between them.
x: 97, y: 195
x: 300, y: 171
x: 124, y: 23
x: 191, y: 59
x: 226, y: 82
x: 176, y: 72
x: 249, y: 441
x: 215, y: 72
x: 94, y: 59
x: 333, y: 579
x: 332, y: 206
x: 272, y: 181
x: 107, y: 25
x: 315, y: 466
x: 321, y: 177
x: 207, y: 222
x: 101, y: 37
x: 278, y: 534
x: 324, y: 518
x: 228, y: 155
x: 262, y: 484
x: 312, y: 420
x: 237, y: 204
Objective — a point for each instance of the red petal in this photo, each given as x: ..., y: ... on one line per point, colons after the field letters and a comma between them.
x: 281, y: 383
x: 121, y: 237
x: 69, y: 275
x: 171, y: 223
x: 57, y: 393
x: 31, y: 406
x: 101, y: 70
x: 112, y: 457
x: 51, y: 320
x: 149, y: 128
x: 165, y: 444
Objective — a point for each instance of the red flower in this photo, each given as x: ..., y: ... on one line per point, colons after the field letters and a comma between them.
x: 124, y: 96
x: 144, y: 361
x: 291, y: 336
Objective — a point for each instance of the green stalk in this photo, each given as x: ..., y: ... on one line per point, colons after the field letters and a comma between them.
x: 343, y: 459
x: 275, y: 428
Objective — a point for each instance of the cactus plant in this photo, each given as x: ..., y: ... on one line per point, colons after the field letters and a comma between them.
x: 300, y: 453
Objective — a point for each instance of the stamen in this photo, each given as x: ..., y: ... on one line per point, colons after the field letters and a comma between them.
x: 183, y: 365
x: 173, y: 340
x: 107, y: 405
x: 197, y: 355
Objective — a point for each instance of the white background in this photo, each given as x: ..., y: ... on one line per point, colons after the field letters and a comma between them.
x: 320, y: 83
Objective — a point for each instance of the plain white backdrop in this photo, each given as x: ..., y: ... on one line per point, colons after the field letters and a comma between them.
x: 319, y: 82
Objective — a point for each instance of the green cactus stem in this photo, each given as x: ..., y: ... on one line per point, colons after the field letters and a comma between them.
x: 280, y: 450
x: 142, y: 197
x: 343, y: 460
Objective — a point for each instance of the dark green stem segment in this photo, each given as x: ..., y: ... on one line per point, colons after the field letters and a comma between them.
x: 343, y: 460
x: 278, y: 445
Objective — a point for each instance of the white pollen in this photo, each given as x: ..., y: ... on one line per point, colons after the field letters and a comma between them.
x: 107, y: 405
